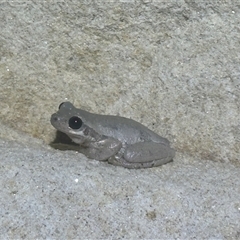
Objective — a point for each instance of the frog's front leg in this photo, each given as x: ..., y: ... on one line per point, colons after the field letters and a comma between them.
x: 143, y: 155
x: 102, y: 149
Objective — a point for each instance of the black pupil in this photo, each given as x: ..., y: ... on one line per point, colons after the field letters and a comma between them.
x: 75, y: 122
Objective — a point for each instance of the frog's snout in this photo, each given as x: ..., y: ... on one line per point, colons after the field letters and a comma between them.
x: 54, y: 117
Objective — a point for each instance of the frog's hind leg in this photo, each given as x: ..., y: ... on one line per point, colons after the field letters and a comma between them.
x: 144, y: 155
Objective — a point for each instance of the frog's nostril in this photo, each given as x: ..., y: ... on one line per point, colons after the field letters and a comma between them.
x: 54, y: 118
x: 75, y: 122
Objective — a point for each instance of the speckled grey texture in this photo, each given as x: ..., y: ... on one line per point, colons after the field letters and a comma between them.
x: 63, y: 195
x: 172, y: 65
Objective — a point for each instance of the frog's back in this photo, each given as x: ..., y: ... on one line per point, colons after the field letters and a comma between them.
x: 123, y: 129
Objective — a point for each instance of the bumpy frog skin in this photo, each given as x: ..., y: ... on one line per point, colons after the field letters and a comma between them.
x: 118, y: 140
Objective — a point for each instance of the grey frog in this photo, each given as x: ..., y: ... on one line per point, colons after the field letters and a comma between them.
x: 118, y: 140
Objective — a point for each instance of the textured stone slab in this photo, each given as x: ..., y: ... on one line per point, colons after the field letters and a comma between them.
x: 174, y: 66
x: 62, y: 195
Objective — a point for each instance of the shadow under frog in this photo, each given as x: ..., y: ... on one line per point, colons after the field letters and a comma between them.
x: 119, y: 141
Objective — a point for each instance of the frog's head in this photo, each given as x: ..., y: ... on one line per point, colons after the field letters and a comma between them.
x: 70, y: 121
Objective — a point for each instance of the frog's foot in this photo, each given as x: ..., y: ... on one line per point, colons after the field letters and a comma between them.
x: 144, y: 155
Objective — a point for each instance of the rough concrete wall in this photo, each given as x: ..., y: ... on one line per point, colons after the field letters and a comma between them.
x: 172, y: 65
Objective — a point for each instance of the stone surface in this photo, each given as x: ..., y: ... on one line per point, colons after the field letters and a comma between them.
x: 174, y: 66
x: 62, y: 195
x: 171, y: 65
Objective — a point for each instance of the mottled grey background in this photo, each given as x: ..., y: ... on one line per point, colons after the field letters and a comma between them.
x: 172, y: 65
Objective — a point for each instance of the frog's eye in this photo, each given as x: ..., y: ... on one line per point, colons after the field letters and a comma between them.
x: 60, y: 105
x: 75, y: 122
